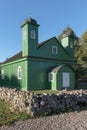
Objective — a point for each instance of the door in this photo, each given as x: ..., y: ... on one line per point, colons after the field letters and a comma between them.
x: 66, y: 79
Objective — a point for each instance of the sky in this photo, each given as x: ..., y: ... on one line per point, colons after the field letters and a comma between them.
x: 53, y: 16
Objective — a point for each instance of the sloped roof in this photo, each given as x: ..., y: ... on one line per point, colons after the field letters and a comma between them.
x: 44, y: 42
x: 13, y: 58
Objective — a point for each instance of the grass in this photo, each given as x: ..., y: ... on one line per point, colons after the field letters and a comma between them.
x: 7, y: 117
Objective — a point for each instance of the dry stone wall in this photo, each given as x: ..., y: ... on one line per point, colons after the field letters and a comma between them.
x: 40, y: 104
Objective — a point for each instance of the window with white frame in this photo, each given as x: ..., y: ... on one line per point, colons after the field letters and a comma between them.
x: 2, y: 74
x: 33, y: 34
x: 54, y: 50
x: 19, y: 73
x: 51, y: 77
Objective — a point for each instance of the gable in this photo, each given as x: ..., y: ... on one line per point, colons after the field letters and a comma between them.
x: 45, y: 50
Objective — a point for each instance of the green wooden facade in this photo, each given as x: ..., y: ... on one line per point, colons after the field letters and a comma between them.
x: 47, y: 65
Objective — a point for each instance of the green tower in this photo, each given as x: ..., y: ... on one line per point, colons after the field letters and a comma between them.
x: 68, y: 43
x: 29, y: 37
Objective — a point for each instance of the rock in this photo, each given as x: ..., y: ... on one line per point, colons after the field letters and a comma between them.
x: 40, y: 104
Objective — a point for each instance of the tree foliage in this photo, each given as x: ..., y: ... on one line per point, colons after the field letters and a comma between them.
x: 83, y: 41
x: 81, y: 50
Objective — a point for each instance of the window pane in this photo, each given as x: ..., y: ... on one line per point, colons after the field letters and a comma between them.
x: 19, y: 72
x: 33, y: 34
x: 54, y: 49
x: 50, y: 77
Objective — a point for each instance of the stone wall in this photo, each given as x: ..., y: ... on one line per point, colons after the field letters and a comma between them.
x: 40, y: 104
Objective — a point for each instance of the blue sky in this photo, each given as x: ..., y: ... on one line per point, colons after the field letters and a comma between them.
x: 52, y: 15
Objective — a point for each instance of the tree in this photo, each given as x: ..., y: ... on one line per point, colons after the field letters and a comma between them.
x: 81, y: 56
x: 83, y: 41
x: 78, y: 51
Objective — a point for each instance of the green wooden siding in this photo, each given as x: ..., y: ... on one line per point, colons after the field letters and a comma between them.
x: 38, y: 73
x: 35, y: 74
x: 10, y: 75
x: 46, y: 51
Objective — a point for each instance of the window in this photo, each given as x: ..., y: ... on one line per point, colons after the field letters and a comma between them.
x: 33, y: 34
x: 54, y: 49
x: 2, y: 74
x: 51, y: 77
x: 19, y: 74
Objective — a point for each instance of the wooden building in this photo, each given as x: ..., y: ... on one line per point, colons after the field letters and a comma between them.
x: 46, y: 65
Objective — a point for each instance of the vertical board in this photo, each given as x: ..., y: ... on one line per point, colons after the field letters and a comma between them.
x: 10, y: 75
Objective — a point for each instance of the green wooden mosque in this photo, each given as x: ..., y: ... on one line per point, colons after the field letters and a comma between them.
x: 39, y: 66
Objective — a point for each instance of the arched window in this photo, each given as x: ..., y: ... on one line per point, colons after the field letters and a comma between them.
x: 2, y: 74
x: 33, y: 34
x: 19, y: 73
